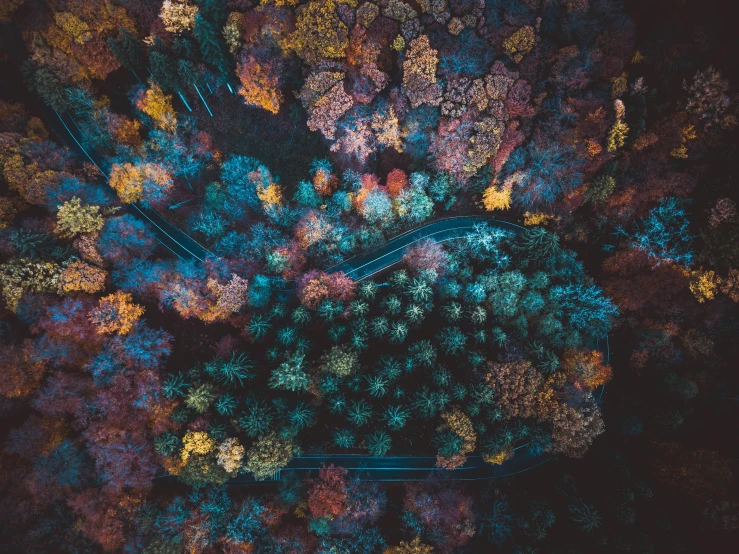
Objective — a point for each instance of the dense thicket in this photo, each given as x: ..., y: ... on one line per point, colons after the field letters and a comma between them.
x: 287, y: 136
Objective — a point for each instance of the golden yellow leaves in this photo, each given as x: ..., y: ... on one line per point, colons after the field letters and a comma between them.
x: 116, y: 313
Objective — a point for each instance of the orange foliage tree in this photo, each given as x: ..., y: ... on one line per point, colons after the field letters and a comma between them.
x: 133, y: 183
x: 21, y: 370
x: 397, y: 181
x: 259, y: 82
x: 74, y: 42
x: 116, y: 313
x: 586, y: 368
x: 324, y: 182
x: 81, y: 276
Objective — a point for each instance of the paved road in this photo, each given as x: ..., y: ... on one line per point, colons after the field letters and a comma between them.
x: 367, y: 264
x: 403, y: 468
x: 363, y: 266
x: 172, y: 238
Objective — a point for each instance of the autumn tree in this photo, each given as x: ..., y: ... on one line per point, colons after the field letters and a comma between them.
x: 413, y: 547
x: 149, y: 182
x: 21, y: 275
x: 158, y: 106
x: 74, y: 44
x: 515, y: 386
x: 427, y: 255
x: 452, y: 453
x: 178, y: 15
x: 316, y: 286
x: 83, y: 277
x: 586, y: 367
x: 73, y: 218
x: 396, y: 181
x: 419, y: 74
x: 325, y: 99
x: 21, y: 371
x: 520, y: 43
x: 319, y: 32
x: 116, y: 313
x: 497, y: 197
x: 259, y: 82
x: 327, y: 496
x: 267, y: 456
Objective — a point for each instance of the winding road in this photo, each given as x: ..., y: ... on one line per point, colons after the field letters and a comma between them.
x: 359, y: 267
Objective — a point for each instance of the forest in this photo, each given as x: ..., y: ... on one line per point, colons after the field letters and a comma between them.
x: 369, y: 276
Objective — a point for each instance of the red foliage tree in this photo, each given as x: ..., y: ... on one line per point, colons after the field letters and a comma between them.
x: 327, y: 496
x: 21, y: 371
x: 635, y: 285
x: 515, y: 385
x: 427, y: 255
x: 317, y: 286
x: 444, y: 510
x: 397, y: 180
x: 104, y: 516
x: 701, y: 474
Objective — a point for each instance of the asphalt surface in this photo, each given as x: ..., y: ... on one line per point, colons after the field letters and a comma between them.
x: 363, y: 266
x: 367, y: 264
x: 402, y: 468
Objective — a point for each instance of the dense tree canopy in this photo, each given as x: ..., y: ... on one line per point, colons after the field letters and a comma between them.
x: 144, y: 367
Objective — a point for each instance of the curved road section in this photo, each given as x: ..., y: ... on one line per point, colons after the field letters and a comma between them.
x: 362, y: 266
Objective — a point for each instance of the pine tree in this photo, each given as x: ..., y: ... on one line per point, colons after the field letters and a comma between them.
x: 128, y: 50
x: 48, y: 86
x: 210, y: 48
x: 213, y: 11
x: 164, y: 70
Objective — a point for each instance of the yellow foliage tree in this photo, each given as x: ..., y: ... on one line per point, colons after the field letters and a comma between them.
x: 617, y: 135
x: 538, y: 218
x: 387, y: 129
x: 178, y: 15
x: 129, y: 180
x: 496, y: 198
x: 460, y: 424
x: 30, y: 180
x: 158, y: 106
x: 74, y: 218
x: 18, y: 276
x: 319, y: 33
x: 413, y: 547
x: 270, y: 195
x: 520, y: 43
x: 267, y: 456
x: 704, y: 285
x: 499, y: 457
x: 232, y: 31
x: 116, y: 313
x: 196, y: 442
